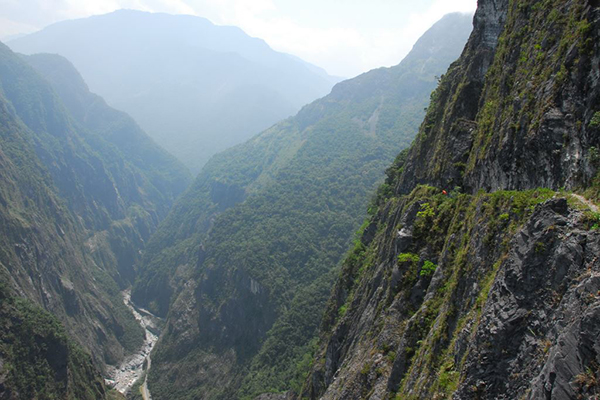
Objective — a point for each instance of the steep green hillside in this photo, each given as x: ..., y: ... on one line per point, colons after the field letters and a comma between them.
x: 37, y: 359
x: 111, y: 174
x: 44, y: 254
x: 168, y: 177
x: 244, y: 263
x: 477, y: 275
x: 75, y: 209
x: 148, y: 179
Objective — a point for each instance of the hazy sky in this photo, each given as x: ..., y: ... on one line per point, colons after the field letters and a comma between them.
x: 346, y: 37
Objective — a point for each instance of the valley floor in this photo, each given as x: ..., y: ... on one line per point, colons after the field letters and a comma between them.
x: 123, y: 377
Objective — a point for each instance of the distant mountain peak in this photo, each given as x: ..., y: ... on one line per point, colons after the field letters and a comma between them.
x: 197, y: 88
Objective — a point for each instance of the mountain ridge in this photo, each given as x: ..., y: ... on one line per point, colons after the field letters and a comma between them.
x: 76, y: 203
x: 190, y: 72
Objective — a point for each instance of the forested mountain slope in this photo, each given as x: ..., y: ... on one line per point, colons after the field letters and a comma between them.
x: 75, y: 206
x: 195, y: 87
x: 37, y: 359
x: 245, y: 261
x: 490, y: 289
x: 42, y: 260
x: 147, y: 179
x: 161, y: 169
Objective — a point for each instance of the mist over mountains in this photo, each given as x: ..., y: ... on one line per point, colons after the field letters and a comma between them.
x: 243, y: 265
x: 425, y: 231
x: 82, y: 188
x: 195, y: 87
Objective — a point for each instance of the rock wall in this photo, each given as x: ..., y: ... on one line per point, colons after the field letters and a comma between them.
x: 470, y: 283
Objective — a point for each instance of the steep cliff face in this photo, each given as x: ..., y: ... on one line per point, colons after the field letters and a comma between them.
x: 75, y: 207
x: 37, y: 359
x: 244, y: 263
x: 164, y: 178
x: 491, y: 290
x: 147, y: 179
x: 516, y: 111
x: 43, y: 253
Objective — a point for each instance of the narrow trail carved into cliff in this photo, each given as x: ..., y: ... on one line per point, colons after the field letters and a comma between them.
x: 587, y: 202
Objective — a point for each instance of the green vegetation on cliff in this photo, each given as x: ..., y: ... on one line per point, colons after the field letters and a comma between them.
x: 142, y: 179
x: 245, y: 262
x: 421, y: 306
x: 37, y: 359
x: 476, y: 276
x: 77, y: 202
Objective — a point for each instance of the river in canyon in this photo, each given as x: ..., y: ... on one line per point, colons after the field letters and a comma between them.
x: 124, y: 376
